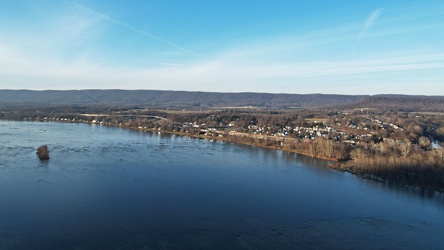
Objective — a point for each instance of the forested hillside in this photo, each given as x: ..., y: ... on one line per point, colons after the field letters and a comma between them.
x: 173, y: 98
x: 213, y: 99
x: 400, y: 103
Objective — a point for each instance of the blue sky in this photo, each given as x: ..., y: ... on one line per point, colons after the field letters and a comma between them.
x: 335, y: 47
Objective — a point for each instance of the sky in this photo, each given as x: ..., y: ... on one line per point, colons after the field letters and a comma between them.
x: 331, y: 47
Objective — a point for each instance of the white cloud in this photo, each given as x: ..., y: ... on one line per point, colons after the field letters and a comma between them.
x: 291, y: 64
x: 226, y: 72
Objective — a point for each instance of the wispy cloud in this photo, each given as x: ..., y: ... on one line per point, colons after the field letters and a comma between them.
x: 130, y: 27
x: 371, y: 20
x: 316, y: 61
x: 235, y: 72
x: 171, y: 64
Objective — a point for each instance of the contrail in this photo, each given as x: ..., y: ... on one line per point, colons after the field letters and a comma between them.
x: 130, y: 27
x: 371, y: 21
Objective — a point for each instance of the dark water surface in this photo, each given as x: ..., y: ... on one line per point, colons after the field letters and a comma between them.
x: 112, y: 188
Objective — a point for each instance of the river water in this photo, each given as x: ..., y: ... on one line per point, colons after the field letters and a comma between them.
x: 113, y: 188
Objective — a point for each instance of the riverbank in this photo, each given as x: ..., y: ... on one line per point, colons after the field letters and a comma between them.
x: 244, y: 140
x: 392, y: 169
x: 430, y: 177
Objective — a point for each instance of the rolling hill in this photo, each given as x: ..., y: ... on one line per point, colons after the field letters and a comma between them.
x: 172, y: 98
x: 215, y: 99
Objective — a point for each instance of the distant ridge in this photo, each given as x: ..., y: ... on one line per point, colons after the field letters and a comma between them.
x: 402, y: 102
x: 173, y: 98
x: 215, y: 99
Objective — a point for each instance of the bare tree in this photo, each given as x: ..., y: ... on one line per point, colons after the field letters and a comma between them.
x: 424, y: 142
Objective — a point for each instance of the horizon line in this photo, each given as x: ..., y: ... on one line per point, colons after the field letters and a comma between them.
x: 222, y: 92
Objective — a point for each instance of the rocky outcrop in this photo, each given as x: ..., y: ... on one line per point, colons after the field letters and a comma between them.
x: 43, y: 152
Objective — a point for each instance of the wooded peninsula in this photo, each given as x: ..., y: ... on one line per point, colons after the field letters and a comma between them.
x: 384, y: 138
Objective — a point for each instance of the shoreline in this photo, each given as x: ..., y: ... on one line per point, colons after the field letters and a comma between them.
x: 226, y: 139
x: 334, y: 163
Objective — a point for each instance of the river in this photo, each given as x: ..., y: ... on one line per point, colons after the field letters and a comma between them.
x: 114, y: 188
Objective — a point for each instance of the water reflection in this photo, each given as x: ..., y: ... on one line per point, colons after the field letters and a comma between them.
x: 437, y: 144
x: 114, y: 188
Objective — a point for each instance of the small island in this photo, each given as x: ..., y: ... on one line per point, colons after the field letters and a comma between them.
x: 43, y: 152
